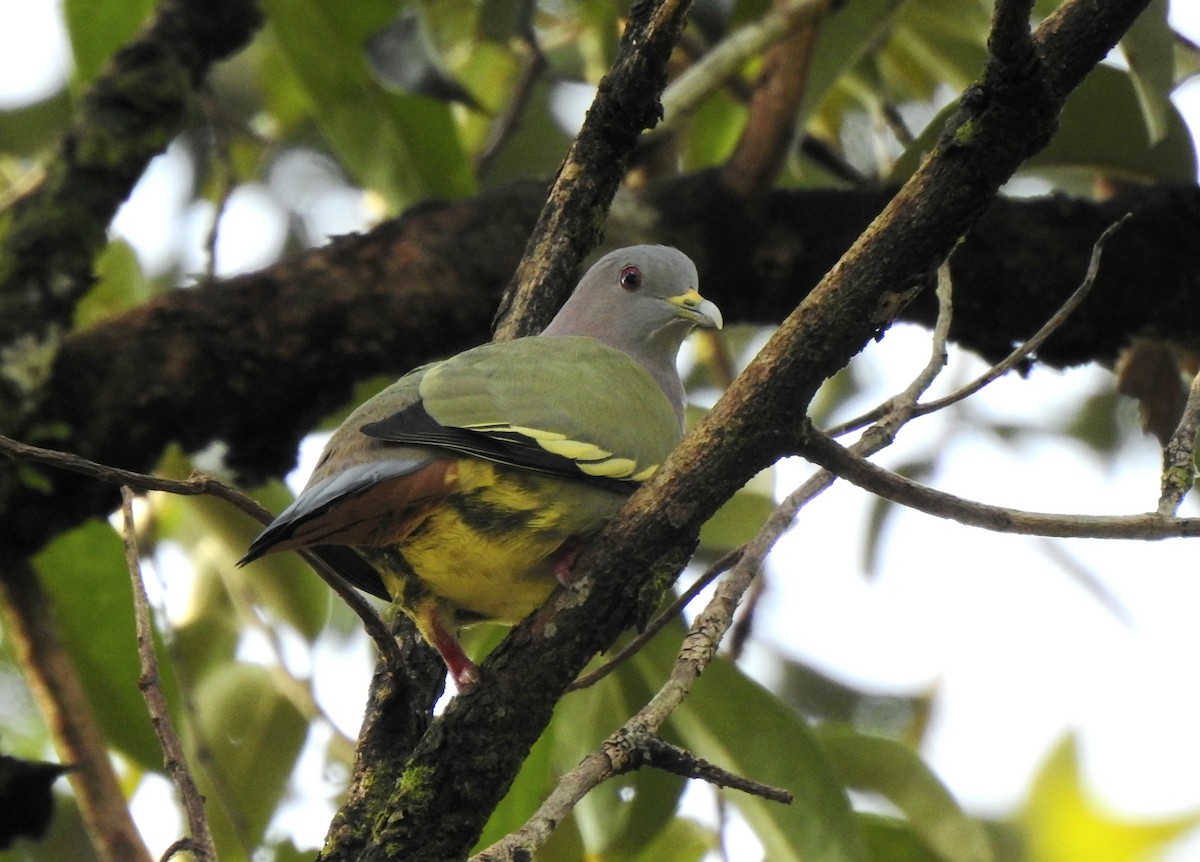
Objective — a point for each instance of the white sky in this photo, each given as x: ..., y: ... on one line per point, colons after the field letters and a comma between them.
x: 1019, y: 651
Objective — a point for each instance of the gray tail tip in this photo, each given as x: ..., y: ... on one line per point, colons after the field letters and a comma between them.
x: 256, y: 550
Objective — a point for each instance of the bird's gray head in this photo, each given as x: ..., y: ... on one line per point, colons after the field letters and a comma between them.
x: 642, y: 300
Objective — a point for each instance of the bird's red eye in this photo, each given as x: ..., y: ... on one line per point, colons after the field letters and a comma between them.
x: 631, y: 278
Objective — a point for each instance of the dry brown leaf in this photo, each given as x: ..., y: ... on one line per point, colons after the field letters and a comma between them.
x: 1150, y: 371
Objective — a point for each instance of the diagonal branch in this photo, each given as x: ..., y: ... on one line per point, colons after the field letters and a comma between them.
x: 53, y: 233
x: 1009, y: 116
x: 198, y: 483
x: 200, y: 842
x: 571, y: 223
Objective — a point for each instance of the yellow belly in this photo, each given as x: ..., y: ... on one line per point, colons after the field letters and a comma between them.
x: 488, y: 553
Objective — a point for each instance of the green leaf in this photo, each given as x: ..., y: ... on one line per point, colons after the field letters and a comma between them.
x: 25, y: 132
x: 1102, y: 130
x: 1148, y: 46
x: 403, y: 146
x: 252, y: 735
x: 620, y: 817
x: 98, y: 28
x: 84, y: 572
x: 880, y: 765
x: 844, y: 37
x: 741, y: 517
x: 942, y: 42
x: 892, y: 840
x: 681, y: 841
x: 1062, y: 822
x: 120, y: 283
x: 738, y: 725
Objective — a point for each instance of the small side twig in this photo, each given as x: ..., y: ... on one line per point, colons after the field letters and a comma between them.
x: 656, y: 625
x: 848, y: 465
x: 671, y: 758
x: 174, y: 757
x: 616, y: 755
x: 1179, y: 455
x: 534, y: 64
x: 1017, y: 356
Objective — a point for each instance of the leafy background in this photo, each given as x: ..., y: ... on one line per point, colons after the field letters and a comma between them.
x: 927, y: 692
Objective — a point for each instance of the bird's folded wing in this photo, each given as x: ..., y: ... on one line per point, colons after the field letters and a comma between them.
x: 568, y: 406
x: 370, y: 503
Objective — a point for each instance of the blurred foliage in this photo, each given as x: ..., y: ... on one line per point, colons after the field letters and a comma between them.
x: 418, y: 100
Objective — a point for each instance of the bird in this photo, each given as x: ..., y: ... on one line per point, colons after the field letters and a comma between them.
x: 470, y: 484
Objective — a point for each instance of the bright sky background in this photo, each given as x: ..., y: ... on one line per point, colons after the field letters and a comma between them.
x: 1019, y: 650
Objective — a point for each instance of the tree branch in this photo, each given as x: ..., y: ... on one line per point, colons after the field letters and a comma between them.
x: 53, y: 233
x: 174, y: 757
x: 326, y: 567
x: 822, y: 450
x: 1179, y: 455
x: 749, y: 427
x: 571, y: 223
x: 280, y: 348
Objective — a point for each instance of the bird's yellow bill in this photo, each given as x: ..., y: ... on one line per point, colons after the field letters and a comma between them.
x: 694, y: 307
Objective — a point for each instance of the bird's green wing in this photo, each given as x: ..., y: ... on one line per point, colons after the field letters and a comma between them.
x: 567, y: 405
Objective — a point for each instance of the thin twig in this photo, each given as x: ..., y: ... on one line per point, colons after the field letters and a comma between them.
x: 1150, y: 526
x: 1019, y: 355
x: 508, y: 121
x: 174, y: 757
x: 223, y: 161
x: 1179, y: 455
x: 199, y: 483
x: 616, y: 754
x: 656, y: 625
x: 671, y: 758
x: 851, y: 466
x: 1039, y: 338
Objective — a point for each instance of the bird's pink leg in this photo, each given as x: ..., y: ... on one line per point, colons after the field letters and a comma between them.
x: 562, y: 562
x: 463, y: 671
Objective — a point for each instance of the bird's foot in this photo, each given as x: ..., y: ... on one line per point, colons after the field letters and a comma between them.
x: 563, y: 562
x: 463, y: 671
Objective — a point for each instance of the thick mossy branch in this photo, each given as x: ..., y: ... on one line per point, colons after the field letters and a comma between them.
x: 50, y: 237
x: 255, y: 361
